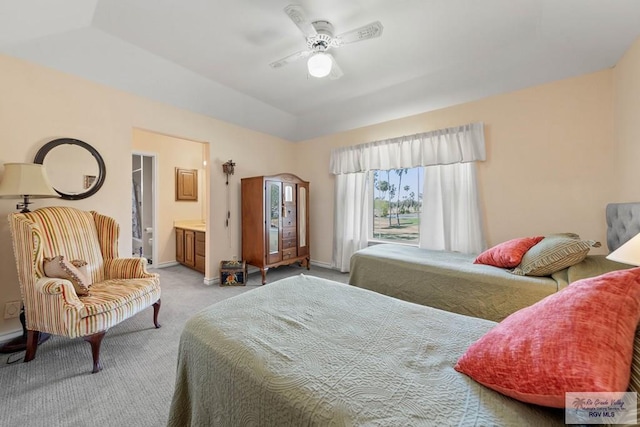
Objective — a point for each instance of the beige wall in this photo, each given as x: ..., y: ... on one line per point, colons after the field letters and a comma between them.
x: 549, y: 161
x: 172, y: 153
x: 39, y: 104
x: 627, y: 124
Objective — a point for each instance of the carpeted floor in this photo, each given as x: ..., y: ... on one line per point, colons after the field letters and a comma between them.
x: 136, y: 384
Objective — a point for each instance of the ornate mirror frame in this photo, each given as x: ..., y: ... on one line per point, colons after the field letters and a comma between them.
x: 42, y: 153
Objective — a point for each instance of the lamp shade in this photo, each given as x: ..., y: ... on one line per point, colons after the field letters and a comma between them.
x: 629, y: 253
x: 25, y: 180
x: 319, y: 64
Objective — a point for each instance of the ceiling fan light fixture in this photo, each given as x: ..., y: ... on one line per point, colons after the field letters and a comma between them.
x: 319, y: 64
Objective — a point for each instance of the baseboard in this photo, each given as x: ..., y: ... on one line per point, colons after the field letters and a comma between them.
x: 7, y: 336
x: 322, y: 264
x: 164, y: 264
x: 210, y: 281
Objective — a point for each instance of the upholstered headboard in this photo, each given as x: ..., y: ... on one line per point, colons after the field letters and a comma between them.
x: 623, y: 222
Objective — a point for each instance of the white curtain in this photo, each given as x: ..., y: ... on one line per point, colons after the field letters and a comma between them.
x: 451, y: 221
x: 441, y: 147
x: 351, y: 219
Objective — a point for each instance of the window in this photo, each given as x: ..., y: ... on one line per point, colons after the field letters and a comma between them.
x: 397, y: 202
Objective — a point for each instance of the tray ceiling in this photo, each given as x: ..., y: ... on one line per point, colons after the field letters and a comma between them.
x: 212, y: 57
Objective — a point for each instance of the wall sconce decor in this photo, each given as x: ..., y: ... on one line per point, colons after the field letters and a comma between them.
x: 227, y: 169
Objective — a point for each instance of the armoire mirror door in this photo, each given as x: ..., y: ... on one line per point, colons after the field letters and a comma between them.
x: 274, y: 207
x: 302, y: 217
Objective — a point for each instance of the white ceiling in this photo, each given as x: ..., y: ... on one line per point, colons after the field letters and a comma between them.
x: 212, y: 56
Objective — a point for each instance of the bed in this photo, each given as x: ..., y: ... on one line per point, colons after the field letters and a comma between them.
x: 296, y: 353
x: 306, y: 351
x: 451, y: 281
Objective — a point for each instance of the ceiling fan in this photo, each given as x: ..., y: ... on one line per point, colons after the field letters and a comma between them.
x: 320, y: 38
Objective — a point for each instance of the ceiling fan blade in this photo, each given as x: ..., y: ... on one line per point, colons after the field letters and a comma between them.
x: 365, y: 32
x: 289, y: 59
x: 296, y: 13
x: 336, y: 71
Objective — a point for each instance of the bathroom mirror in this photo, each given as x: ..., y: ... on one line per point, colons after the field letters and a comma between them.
x: 75, y: 169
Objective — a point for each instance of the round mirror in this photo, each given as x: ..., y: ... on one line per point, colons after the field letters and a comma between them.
x: 75, y: 169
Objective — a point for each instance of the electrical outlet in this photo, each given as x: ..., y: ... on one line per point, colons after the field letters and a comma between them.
x: 235, y: 257
x: 12, y: 309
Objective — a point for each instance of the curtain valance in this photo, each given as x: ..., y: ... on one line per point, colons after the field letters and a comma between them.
x: 458, y: 144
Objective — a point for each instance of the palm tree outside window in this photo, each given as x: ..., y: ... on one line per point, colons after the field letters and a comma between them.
x: 397, y: 203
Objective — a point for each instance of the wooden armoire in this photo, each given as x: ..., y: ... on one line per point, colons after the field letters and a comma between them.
x: 275, y: 221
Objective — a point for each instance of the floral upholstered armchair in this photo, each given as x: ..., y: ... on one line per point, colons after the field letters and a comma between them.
x: 72, y: 281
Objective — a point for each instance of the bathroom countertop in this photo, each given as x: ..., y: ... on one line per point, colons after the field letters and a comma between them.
x: 194, y: 225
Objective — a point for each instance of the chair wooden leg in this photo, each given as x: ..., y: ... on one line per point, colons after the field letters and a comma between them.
x: 95, y: 340
x: 32, y: 345
x: 156, y: 310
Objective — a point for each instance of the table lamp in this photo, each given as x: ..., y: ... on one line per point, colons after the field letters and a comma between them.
x: 24, y: 181
x: 628, y: 253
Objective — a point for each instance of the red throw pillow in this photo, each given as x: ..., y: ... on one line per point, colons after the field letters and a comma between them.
x: 508, y: 254
x: 577, y: 340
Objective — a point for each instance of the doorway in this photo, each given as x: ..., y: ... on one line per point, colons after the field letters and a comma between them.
x: 143, y: 218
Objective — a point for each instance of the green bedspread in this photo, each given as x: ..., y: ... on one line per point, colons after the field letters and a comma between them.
x: 306, y: 351
x: 451, y: 281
